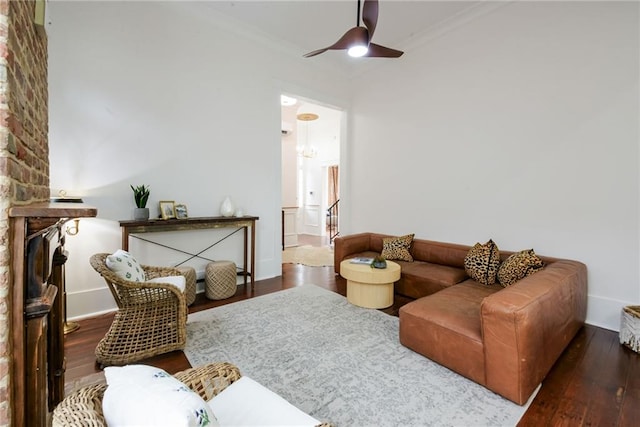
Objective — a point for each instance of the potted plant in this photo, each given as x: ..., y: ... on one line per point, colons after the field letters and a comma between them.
x: 379, y: 262
x: 141, y: 195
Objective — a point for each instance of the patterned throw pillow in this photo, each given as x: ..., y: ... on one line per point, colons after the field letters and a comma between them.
x: 482, y: 261
x: 145, y: 396
x: 397, y: 248
x: 126, y: 266
x: 518, y: 266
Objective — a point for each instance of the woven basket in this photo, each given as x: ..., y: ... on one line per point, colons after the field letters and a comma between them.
x: 189, y: 274
x: 630, y: 327
x: 220, y: 280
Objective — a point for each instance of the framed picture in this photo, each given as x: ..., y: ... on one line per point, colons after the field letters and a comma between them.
x: 181, y: 211
x: 167, y: 209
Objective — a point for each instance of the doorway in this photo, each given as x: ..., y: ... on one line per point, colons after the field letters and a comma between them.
x: 311, y: 137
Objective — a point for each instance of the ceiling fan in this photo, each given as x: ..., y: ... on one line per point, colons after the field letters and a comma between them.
x: 357, y: 40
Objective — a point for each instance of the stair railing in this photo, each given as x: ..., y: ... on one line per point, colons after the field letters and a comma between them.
x: 332, y: 212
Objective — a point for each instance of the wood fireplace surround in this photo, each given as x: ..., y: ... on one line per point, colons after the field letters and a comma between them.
x: 38, y: 311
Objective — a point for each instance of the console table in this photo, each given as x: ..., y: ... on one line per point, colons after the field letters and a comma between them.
x: 38, y: 257
x: 198, y: 223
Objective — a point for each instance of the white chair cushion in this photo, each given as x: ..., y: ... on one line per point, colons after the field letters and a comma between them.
x: 178, y: 281
x: 247, y: 403
x: 126, y: 266
x: 141, y: 396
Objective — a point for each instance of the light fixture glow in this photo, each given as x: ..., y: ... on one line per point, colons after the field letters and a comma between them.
x: 287, y: 100
x: 358, y: 50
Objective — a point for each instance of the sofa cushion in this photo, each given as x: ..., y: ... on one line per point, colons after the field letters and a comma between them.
x: 450, y: 254
x: 248, y: 403
x: 421, y: 278
x: 446, y: 327
x: 518, y: 266
x: 179, y: 282
x: 482, y: 261
x: 397, y: 248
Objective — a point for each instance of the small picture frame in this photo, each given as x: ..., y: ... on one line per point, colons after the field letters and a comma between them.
x: 167, y: 209
x: 181, y: 211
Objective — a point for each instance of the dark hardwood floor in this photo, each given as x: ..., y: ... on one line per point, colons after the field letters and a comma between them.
x: 595, y: 382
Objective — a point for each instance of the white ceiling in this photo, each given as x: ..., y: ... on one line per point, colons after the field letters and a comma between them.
x: 306, y: 25
x: 301, y: 26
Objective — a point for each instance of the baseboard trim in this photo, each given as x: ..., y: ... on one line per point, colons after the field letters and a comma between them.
x: 605, y: 312
x: 89, y: 303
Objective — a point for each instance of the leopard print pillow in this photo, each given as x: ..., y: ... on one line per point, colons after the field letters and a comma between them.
x: 482, y: 261
x: 518, y: 266
x: 397, y: 248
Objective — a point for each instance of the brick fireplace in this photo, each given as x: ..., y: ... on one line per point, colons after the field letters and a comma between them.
x: 24, y: 150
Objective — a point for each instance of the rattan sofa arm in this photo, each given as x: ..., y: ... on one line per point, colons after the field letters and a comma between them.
x: 209, y: 380
x: 82, y: 408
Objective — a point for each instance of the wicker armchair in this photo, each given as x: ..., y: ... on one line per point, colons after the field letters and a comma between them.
x: 83, y: 408
x: 151, y: 317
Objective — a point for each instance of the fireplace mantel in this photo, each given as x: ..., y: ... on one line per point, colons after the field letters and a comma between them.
x: 38, y: 281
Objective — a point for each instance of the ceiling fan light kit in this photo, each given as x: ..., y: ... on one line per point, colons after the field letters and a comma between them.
x: 358, y: 50
x: 357, y: 41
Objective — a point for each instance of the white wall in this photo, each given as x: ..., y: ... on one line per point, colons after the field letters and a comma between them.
x: 289, y: 159
x: 521, y: 126
x: 152, y: 93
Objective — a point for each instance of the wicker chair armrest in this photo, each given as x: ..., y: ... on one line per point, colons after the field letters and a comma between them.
x: 153, y: 272
x: 209, y: 380
x: 82, y: 408
x: 98, y: 263
x: 162, y: 291
x: 131, y: 286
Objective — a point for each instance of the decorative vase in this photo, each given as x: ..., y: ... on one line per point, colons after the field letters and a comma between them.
x: 227, y: 208
x: 141, y: 214
x: 379, y: 263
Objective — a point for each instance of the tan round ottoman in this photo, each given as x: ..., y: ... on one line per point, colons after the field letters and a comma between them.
x: 370, y: 287
x: 189, y: 274
x: 220, y: 279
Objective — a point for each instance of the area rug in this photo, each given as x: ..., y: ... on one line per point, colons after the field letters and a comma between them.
x: 88, y: 380
x: 340, y: 363
x: 312, y: 256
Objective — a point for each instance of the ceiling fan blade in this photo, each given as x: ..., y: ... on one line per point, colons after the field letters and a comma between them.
x: 354, y: 35
x: 377, y: 51
x: 370, y: 15
x: 315, y: 52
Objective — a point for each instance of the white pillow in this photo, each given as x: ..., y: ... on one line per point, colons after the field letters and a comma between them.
x: 248, y: 403
x: 126, y: 266
x: 177, y: 281
x: 144, y: 396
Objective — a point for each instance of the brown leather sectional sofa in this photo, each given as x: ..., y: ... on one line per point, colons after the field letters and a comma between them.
x: 506, y: 339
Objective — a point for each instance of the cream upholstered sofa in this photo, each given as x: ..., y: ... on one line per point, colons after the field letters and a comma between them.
x: 137, y: 401
x: 504, y: 338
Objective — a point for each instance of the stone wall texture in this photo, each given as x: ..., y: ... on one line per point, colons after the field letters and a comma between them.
x: 24, y: 149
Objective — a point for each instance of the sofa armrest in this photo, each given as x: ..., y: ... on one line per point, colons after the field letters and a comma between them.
x: 210, y: 379
x: 528, y: 325
x: 348, y: 245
